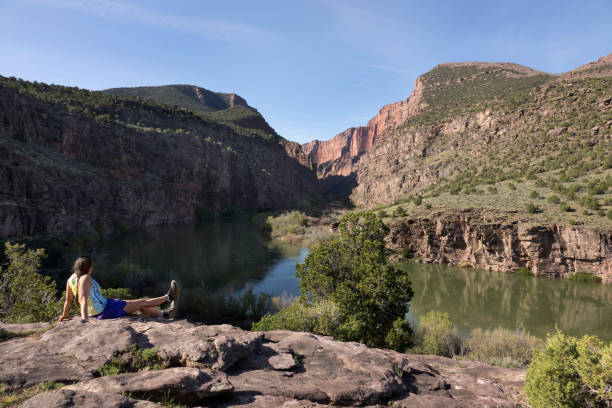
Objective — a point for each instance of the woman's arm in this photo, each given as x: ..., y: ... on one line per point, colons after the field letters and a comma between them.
x: 67, y: 302
x: 84, y: 286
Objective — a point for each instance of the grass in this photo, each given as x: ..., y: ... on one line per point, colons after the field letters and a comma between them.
x: 523, y: 272
x: 133, y: 359
x: 584, y: 277
x: 14, y: 398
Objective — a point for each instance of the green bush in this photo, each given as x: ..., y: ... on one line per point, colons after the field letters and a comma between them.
x: 287, y: 223
x: 533, y: 195
x: 492, y: 190
x: 570, y: 372
x: 584, y: 277
x: 523, y: 271
x: 399, y: 212
x: 532, y: 208
x: 503, y: 347
x: 565, y: 207
x: 418, y: 200
x: 117, y: 293
x: 320, y: 317
x: 512, y: 186
x: 553, y: 199
x: 352, y: 273
x: 26, y: 296
x: 399, y: 337
x: 609, y: 214
x: 589, y: 202
x: 437, y: 335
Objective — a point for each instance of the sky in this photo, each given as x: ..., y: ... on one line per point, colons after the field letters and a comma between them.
x: 313, y: 68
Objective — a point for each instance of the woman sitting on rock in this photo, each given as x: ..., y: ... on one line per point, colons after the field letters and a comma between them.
x: 93, y: 303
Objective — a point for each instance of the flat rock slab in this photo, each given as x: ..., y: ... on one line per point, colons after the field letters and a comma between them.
x: 84, y: 399
x: 181, y: 384
x: 331, y: 372
x: 25, y: 362
x: 223, y: 366
x: 23, y: 327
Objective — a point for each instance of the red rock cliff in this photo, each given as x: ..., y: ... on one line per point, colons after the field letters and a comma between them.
x: 337, y: 155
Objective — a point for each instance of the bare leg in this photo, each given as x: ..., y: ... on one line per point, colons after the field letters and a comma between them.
x: 151, y: 311
x: 132, y: 306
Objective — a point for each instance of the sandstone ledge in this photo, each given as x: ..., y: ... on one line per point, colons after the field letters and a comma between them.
x: 480, y: 240
x: 223, y: 366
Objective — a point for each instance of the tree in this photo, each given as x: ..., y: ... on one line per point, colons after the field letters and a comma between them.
x: 26, y: 295
x: 352, y: 273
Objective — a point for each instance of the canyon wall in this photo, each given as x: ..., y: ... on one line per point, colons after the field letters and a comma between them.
x: 338, y: 155
x: 65, y: 172
x: 481, y: 241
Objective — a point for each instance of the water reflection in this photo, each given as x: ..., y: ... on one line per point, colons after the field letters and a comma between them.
x: 223, y: 268
x: 475, y: 298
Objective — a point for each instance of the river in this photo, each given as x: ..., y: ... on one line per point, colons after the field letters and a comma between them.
x: 219, y: 262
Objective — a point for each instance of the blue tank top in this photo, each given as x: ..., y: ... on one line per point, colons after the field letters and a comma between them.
x: 96, y: 302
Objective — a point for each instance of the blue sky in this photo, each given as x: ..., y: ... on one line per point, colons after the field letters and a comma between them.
x: 312, y: 68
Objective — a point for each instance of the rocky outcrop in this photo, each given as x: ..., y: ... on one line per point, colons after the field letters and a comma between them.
x: 337, y: 156
x: 64, y: 172
x: 470, y: 238
x: 222, y: 366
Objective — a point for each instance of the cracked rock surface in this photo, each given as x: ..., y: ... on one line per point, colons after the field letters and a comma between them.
x: 223, y: 366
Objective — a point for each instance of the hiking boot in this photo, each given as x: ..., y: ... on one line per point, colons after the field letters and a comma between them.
x: 170, y: 313
x: 174, y: 292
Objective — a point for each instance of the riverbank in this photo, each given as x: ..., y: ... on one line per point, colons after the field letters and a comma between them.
x: 482, y: 239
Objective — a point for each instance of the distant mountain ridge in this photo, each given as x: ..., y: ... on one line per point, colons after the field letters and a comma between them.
x: 186, y: 96
x: 223, y: 106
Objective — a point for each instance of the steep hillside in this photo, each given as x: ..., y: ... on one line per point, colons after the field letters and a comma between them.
x: 215, y: 105
x: 75, y: 160
x: 491, y: 135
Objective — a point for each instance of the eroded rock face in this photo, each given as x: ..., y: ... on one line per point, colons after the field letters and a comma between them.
x: 65, y: 172
x: 222, y: 366
x: 338, y: 155
x: 472, y: 239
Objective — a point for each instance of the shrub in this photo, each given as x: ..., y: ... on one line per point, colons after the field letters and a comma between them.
x: 418, y: 200
x: 553, y: 199
x: 117, y: 293
x: 26, y: 296
x: 522, y: 271
x: 584, y: 277
x: 352, y: 273
x: 492, y: 190
x: 512, y: 186
x: 321, y: 317
x: 609, y: 214
x: 503, y: 347
x: 601, y: 213
x: 565, y: 207
x: 532, y: 208
x: 437, y: 335
x: 399, y: 212
x: 589, y: 202
x: 570, y: 372
x: 533, y: 195
x: 287, y: 223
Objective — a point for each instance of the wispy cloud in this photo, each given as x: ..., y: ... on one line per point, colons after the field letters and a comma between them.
x: 388, y: 68
x: 205, y: 27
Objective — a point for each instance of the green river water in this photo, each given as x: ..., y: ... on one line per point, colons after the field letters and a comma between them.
x: 235, y: 257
